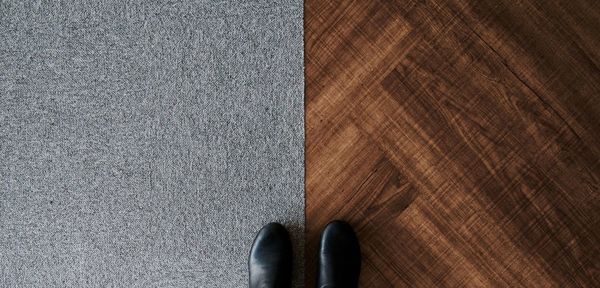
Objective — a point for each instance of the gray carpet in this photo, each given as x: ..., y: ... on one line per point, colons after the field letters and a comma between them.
x: 144, y: 143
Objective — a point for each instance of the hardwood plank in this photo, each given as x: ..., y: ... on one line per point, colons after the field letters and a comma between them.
x: 461, y: 138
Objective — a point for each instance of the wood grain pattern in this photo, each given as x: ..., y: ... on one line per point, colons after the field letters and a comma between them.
x: 461, y: 138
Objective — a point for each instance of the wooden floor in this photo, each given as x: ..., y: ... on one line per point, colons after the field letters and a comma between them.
x: 461, y: 138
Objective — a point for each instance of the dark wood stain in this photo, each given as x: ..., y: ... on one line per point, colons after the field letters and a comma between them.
x: 461, y: 138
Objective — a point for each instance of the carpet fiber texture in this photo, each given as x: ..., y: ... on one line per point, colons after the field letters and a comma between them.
x: 144, y: 143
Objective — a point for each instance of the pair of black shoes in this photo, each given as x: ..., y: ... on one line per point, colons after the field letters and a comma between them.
x: 270, y: 262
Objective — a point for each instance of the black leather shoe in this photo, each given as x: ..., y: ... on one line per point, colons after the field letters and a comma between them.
x: 339, y: 257
x: 270, y: 262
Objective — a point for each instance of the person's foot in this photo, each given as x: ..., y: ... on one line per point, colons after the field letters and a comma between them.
x: 270, y: 262
x: 339, y: 257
